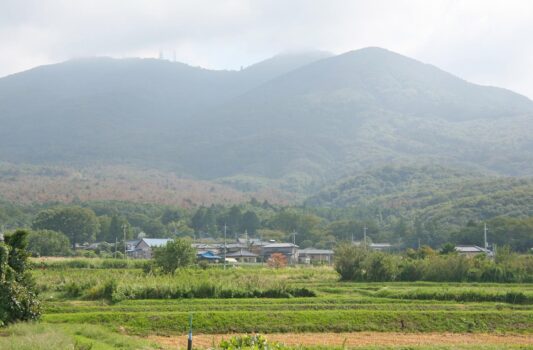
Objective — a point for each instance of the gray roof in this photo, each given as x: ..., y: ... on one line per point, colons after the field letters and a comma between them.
x: 242, y: 253
x: 470, y: 249
x: 253, y: 241
x: 380, y: 245
x: 281, y: 245
x: 155, y: 242
x: 204, y: 246
x: 314, y: 251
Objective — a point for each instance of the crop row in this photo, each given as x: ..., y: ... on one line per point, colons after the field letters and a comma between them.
x: 270, y: 305
x: 306, y: 321
x: 512, y: 297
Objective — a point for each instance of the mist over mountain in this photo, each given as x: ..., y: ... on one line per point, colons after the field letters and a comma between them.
x: 298, y: 119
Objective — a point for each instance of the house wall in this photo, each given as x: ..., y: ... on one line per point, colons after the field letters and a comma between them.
x: 291, y: 253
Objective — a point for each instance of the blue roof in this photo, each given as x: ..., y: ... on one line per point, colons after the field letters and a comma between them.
x: 209, y: 255
x: 156, y: 242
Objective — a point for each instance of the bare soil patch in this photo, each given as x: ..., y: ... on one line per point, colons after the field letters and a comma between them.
x: 359, y: 339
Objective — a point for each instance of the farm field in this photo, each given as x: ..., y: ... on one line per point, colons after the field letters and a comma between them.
x: 109, y: 308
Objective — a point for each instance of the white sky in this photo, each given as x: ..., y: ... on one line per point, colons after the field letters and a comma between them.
x: 484, y: 41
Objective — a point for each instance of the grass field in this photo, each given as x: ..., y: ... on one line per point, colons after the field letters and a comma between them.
x: 83, y: 309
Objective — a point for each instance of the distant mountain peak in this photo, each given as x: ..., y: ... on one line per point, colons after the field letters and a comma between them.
x: 299, y: 116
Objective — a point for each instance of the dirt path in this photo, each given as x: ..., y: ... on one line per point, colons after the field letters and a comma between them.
x: 359, y: 339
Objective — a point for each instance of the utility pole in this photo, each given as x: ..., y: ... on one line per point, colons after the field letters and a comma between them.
x: 485, y: 238
x: 352, y: 238
x: 116, y: 246
x: 124, y: 226
x: 225, y: 227
x: 294, y: 237
x: 364, y: 235
x: 189, y: 338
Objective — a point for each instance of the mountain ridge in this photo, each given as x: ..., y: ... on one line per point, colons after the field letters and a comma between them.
x: 301, y: 120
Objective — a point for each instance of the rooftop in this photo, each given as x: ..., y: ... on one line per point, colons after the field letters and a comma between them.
x: 155, y: 242
x: 242, y: 253
x: 281, y: 245
x: 316, y: 251
x: 470, y: 249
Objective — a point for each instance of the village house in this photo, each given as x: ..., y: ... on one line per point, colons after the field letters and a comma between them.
x: 243, y: 255
x: 144, y: 248
x: 472, y: 250
x: 288, y: 249
x: 375, y: 246
x: 204, y: 247
x: 317, y: 256
x: 256, y: 245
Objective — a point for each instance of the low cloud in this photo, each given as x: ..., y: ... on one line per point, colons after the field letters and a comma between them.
x: 487, y: 42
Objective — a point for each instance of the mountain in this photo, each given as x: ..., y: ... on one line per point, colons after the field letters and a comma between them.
x: 429, y: 193
x: 296, y: 121
x: 103, y: 109
x: 362, y: 109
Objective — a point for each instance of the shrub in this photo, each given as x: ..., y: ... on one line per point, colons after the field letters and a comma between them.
x: 103, y: 291
x: 349, y: 262
x: 381, y: 267
x: 358, y: 264
x: 48, y: 243
x: 114, y: 264
x: 249, y: 342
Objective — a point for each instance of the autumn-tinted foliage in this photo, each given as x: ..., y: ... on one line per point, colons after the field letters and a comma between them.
x: 277, y: 261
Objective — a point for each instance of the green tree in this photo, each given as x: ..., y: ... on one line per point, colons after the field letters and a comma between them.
x: 171, y: 215
x: 18, y: 300
x: 105, y: 223
x: 78, y: 224
x: 151, y: 226
x: 250, y: 222
x: 448, y: 248
x: 197, y: 221
x: 175, y: 254
x: 350, y: 262
x: 116, y: 229
x: 380, y: 267
x: 48, y: 243
x: 306, y: 226
x: 234, y: 218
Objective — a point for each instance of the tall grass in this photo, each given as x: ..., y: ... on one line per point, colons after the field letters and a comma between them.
x: 116, y: 285
x: 86, y: 263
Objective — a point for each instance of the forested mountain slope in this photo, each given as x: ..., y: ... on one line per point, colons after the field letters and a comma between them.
x: 429, y: 194
x: 299, y: 121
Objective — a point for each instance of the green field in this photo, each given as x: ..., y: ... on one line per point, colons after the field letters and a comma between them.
x: 98, y: 308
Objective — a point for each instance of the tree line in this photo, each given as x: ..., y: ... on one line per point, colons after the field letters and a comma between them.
x: 59, y: 228
x: 356, y: 263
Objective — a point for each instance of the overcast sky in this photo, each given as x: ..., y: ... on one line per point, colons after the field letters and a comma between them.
x: 484, y: 41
